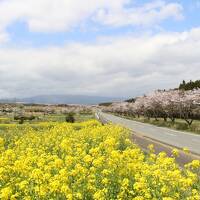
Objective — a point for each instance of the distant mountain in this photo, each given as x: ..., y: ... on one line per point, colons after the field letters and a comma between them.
x: 62, y: 99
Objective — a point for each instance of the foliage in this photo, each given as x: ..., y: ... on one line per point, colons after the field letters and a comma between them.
x: 4, y: 120
x: 89, y: 161
x: 177, y: 125
x: 105, y: 104
x: 70, y: 117
x: 191, y: 85
x: 132, y: 100
x: 170, y: 104
x: 22, y: 118
x: 86, y: 112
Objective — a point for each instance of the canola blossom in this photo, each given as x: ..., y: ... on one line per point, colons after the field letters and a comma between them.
x: 89, y: 161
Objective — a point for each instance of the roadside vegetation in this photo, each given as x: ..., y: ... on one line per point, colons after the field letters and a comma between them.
x: 87, y: 160
x: 179, y: 124
x: 178, y: 109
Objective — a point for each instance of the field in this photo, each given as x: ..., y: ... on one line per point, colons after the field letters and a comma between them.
x: 87, y: 160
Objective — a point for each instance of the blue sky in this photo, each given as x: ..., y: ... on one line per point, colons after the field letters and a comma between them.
x: 20, y: 34
x: 63, y: 47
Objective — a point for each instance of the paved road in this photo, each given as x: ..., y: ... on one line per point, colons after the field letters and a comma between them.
x: 171, y: 137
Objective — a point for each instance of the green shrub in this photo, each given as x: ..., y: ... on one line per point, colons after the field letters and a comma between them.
x: 180, y: 126
x: 70, y: 117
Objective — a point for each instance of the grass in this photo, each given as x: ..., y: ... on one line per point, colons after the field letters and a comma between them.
x: 61, y: 117
x: 8, y: 122
x: 44, y: 122
x: 179, y: 124
x: 84, y: 117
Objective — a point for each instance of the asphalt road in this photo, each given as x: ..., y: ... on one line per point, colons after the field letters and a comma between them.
x: 163, y: 135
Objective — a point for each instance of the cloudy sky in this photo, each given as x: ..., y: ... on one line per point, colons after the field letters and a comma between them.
x: 97, y: 47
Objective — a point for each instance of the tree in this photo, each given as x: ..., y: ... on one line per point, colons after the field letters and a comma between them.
x: 22, y: 118
x: 191, y: 85
x: 170, y: 101
x: 189, y: 103
x: 170, y: 104
x: 70, y: 117
x: 132, y: 100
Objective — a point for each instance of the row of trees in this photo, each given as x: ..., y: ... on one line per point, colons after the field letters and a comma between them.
x: 191, y: 85
x: 170, y: 104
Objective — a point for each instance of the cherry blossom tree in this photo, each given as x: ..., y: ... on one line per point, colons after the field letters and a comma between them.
x: 170, y: 101
x: 170, y: 104
x: 188, y: 105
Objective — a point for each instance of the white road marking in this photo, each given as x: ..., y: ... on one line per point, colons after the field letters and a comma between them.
x: 171, y: 134
x: 193, y: 140
x: 161, y: 128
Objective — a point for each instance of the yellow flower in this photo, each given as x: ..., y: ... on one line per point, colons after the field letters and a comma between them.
x: 58, y: 163
x: 1, y: 143
x: 37, y: 174
x: 99, y: 195
x: 164, y: 190
x: 23, y: 184
x: 106, y: 172
x: 6, y: 193
x: 54, y: 185
x: 69, y: 197
x: 43, y: 191
x: 186, y: 150
x: 88, y: 161
x: 151, y: 148
x: 14, y: 197
x: 175, y: 152
x: 195, y: 164
x: 65, y: 189
x: 79, y: 195
x: 105, y: 181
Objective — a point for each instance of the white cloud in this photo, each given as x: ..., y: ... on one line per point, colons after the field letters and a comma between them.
x: 64, y: 15
x: 3, y: 37
x: 148, y: 14
x: 121, y: 66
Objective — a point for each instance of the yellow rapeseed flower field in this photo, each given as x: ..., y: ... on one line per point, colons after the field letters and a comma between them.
x: 88, y: 161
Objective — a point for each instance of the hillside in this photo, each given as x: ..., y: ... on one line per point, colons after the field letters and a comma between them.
x: 62, y: 99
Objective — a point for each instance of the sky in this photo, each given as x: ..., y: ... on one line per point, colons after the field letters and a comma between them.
x: 121, y: 48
